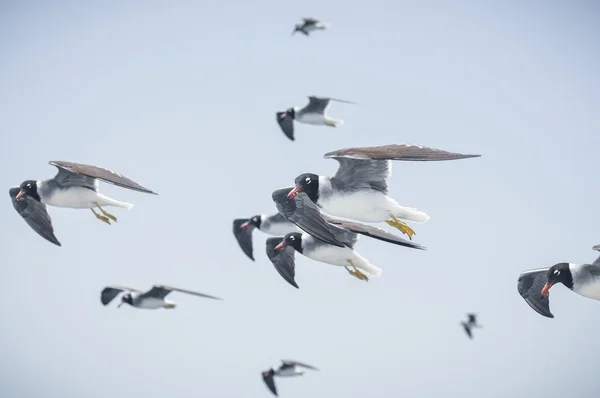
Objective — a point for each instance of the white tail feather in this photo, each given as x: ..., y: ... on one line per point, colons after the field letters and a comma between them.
x: 408, y: 213
x: 363, y: 264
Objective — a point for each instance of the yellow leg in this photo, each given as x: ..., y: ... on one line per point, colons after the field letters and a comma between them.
x: 401, y: 226
x: 356, y: 273
x: 100, y: 217
x: 107, y: 214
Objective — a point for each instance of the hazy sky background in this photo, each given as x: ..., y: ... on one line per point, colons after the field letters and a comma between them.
x: 181, y: 97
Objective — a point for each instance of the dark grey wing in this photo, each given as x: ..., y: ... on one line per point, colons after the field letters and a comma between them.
x: 286, y: 124
x: 305, y: 214
x: 157, y: 291
x: 296, y: 363
x: 373, y: 232
x: 405, y: 152
x: 244, y: 236
x: 277, y: 218
x: 176, y: 289
x: 310, y: 21
x: 320, y: 104
x: 283, y: 260
x: 269, y: 381
x: 530, y: 286
x: 95, y: 173
x: 472, y: 318
x: 110, y: 292
x: 35, y: 215
x: 467, y: 330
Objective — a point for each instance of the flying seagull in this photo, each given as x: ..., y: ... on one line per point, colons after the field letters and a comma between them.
x: 151, y: 300
x: 275, y: 225
x: 314, y: 113
x: 75, y: 186
x: 281, y: 251
x: 284, y: 368
x: 307, y: 25
x: 584, y: 279
x: 359, y: 188
x: 470, y: 324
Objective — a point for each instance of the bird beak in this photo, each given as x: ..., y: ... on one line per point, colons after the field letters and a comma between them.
x: 283, y: 115
x: 280, y: 246
x: 294, y: 192
x: 244, y: 225
x: 19, y: 195
x: 546, y: 289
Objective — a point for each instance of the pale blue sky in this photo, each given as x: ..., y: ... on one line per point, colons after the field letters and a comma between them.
x: 181, y: 97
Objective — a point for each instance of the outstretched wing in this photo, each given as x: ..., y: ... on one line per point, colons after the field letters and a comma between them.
x: 110, y: 292
x: 35, y: 215
x: 305, y: 214
x: 370, y: 167
x: 597, y: 261
x: 244, y: 236
x: 269, y: 381
x: 88, y: 173
x: 283, y: 260
x: 373, y: 232
x: 310, y: 21
x: 161, y: 291
x: 529, y: 285
x: 296, y: 363
x: 320, y: 104
x: 472, y: 318
x: 286, y: 124
x: 467, y: 330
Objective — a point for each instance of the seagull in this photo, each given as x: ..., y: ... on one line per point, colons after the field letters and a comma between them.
x: 584, y: 279
x: 359, y: 188
x: 314, y: 113
x: 284, y: 368
x: 151, y: 300
x: 275, y: 225
x: 471, y: 323
x: 75, y: 186
x: 281, y: 251
x: 307, y: 25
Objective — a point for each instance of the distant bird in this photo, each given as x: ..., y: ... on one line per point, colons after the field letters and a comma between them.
x: 284, y: 368
x: 281, y: 250
x: 75, y: 186
x: 470, y: 324
x: 307, y: 25
x: 359, y: 188
x: 151, y: 300
x: 584, y: 279
x: 315, y: 113
x: 275, y: 225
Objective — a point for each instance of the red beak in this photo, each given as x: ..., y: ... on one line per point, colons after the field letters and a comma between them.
x: 280, y: 246
x: 283, y: 115
x: 244, y: 225
x: 546, y: 289
x: 19, y: 195
x: 294, y: 192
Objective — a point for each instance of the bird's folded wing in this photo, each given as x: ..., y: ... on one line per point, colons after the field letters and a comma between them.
x: 373, y: 232
x: 110, y: 292
x: 305, y: 214
x: 244, y: 236
x: 407, y: 152
x: 529, y: 285
x: 35, y: 215
x: 161, y: 291
x: 100, y: 173
x: 283, y: 260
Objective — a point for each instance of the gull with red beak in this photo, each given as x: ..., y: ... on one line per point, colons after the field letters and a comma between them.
x: 584, y: 279
x: 275, y: 225
x: 315, y: 113
x: 152, y: 299
x: 359, y: 188
x: 281, y: 250
x: 285, y: 368
x: 75, y: 186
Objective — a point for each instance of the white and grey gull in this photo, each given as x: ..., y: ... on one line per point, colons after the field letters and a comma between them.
x: 75, y: 186
x: 314, y: 113
x: 285, y: 368
x: 152, y: 299
x: 584, y: 279
x: 308, y: 25
x: 359, y: 189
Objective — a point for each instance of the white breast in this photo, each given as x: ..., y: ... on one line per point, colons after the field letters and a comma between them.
x: 75, y: 198
x: 151, y: 303
x: 290, y: 372
x: 331, y: 255
x: 361, y: 206
x: 311, y: 118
